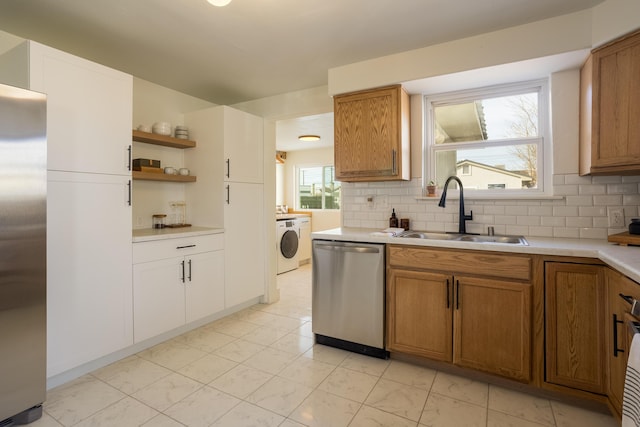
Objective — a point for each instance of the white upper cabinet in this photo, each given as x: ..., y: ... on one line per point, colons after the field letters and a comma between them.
x: 89, y: 111
x: 243, y: 146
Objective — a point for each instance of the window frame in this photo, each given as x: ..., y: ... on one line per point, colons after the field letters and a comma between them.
x: 297, y: 186
x: 543, y: 140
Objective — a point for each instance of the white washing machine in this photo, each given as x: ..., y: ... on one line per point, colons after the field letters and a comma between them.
x: 287, y: 242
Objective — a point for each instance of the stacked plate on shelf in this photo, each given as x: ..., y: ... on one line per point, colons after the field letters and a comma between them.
x: 182, y: 132
x: 162, y: 128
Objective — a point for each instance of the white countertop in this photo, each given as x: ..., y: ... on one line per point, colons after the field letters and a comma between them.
x: 149, y: 234
x: 625, y: 259
x: 281, y: 217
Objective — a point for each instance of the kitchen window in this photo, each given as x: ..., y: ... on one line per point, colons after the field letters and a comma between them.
x: 318, y: 188
x: 494, y: 139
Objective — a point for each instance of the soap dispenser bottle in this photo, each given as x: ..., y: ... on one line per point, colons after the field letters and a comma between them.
x: 393, y: 221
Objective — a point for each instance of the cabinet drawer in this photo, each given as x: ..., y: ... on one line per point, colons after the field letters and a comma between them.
x: 169, y: 248
x: 471, y: 262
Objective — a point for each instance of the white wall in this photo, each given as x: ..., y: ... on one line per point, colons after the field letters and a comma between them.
x: 535, y: 40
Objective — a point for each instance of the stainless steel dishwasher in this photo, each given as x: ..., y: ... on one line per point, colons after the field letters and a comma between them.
x: 348, y: 300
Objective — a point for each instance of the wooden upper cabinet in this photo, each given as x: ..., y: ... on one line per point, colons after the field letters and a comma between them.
x: 610, y: 109
x: 371, y: 135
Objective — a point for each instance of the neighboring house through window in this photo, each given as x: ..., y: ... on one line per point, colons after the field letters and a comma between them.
x: 494, y: 139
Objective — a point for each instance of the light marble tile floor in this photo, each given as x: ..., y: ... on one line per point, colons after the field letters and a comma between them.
x: 260, y: 367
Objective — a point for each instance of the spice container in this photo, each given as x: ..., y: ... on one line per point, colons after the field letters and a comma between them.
x: 159, y: 220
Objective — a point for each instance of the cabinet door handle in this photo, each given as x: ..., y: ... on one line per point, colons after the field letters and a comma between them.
x: 228, y: 168
x: 616, y: 350
x: 182, y: 264
x: 394, y: 158
x: 228, y: 195
x: 448, y: 296
x: 457, y: 294
x: 185, y: 246
x: 189, y: 269
x: 129, y: 161
x: 129, y: 191
x: 627, y: 298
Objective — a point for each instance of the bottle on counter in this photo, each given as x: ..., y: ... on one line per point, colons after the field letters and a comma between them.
x: 393, y: 221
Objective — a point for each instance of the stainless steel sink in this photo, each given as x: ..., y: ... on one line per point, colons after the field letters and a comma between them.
x: 512, y: 240
x: 428, y: 235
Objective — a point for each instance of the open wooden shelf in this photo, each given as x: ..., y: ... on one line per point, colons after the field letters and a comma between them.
x: 151, y: 176
x: 164, y: 140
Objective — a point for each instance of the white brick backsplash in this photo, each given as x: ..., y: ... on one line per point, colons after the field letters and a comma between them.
x: 593, y: 233
x: 516, y: 210
x: 528, y: 220
x: 553, y: 221
x: 592, y: 189
x: 606, y: 179
x: 631, y: 200
x: 601, y: 222
x: 494, y: 210
x: 581, y: 221
x: 582, y: 212
x: 607, y: 200
x: 541, y: 231
x: 577, y: 179
x: 593, y: 211
x: 622, y: 188
x: 558, y: 179
x: 566, y: 190
x: 506, y: 219
x: 565, y: 211
x: 566, y: 232
x: 540, y: 211
x: 518, y: 230
x: 579, y: 200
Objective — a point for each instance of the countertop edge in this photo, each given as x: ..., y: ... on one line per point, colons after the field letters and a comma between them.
x: 150, y: 234
x: 625, y: 259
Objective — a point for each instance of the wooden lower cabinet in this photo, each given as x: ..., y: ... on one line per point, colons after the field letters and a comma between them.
x: 492, y: 326
x: 475, y: 322
x: 574, y: 306
x: 419, y: 317
x: 618, y: 340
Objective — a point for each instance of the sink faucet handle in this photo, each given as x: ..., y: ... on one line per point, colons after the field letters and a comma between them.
x: 491, y: 230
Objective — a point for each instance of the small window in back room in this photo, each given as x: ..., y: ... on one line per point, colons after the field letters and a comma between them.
x: 317, y: 188
x: 493, y: 138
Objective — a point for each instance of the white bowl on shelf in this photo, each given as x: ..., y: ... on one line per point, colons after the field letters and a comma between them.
x: 162, y: 128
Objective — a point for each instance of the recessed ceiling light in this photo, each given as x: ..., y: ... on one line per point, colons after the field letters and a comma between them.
x: 219, y: 3
x: 309, y: 138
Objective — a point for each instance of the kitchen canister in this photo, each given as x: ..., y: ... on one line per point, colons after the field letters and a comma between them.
x: 634, y: 227
x: 159, y: 220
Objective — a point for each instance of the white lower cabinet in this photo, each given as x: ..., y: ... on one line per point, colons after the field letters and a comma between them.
x: 175, y: 282
x: 244, y: 242
x: 89, y: 307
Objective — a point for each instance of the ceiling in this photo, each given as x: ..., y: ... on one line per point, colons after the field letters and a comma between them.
x: 252, y: 49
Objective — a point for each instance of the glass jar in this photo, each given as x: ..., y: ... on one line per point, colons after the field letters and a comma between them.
x: 159, y: 220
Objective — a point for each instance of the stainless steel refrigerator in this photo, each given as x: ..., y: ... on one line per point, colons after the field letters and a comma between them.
x: 23, y: 188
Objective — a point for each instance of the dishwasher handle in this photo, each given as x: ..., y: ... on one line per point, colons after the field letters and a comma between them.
x: 345, y: 248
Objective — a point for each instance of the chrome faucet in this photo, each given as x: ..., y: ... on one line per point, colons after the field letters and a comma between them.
x: 462, y: 228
